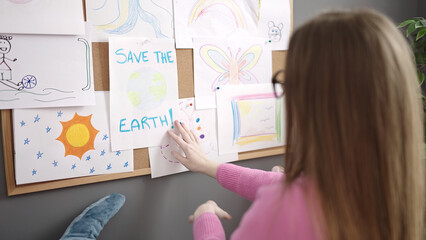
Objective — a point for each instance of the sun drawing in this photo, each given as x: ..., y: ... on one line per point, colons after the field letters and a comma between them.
x: 78, y: 135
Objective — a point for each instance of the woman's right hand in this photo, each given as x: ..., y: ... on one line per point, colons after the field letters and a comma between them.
x: 194, y: 159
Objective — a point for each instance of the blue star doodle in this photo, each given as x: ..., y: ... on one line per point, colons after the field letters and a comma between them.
x: 39, y: 154
x: 118, y: 153
x: 34, y: 172
x: 22, y: 123
x: 105, y: 137
x: 60, y: 114
x: 48, y: 129
x: 126, y: 164
x: 102, y: 152
x: 26, y: 141
x: 73, y: 166
x: 109, y: 166
x: 88, y: 158
x: 36, y: 119
x: 55, y: 163
x: 92, y: 170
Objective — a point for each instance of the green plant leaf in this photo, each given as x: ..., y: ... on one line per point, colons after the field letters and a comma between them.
x: 420, y: 34
x: 421, y: 77
x: 405, y: 23
x: 411, y: 28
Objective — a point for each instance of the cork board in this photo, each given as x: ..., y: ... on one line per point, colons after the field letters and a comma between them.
x: 141, y: 158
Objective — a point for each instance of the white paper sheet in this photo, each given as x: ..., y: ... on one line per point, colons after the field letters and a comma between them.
x: 250, y: 118
x: 275, y: 22
x: 59, y: 143
x: 219, y: 62
x: 214, y: 18
x: 203, y: 124
x: 45, y: 71
x: 144, y: 91
x: 42, y: 17
x: 136, y: 18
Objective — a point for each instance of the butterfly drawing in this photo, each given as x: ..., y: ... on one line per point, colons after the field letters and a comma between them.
x: 233, y: 69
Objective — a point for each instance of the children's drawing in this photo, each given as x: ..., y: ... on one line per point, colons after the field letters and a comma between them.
x: 256, y: 117
x: 203, y: 124
x: 5, y: 70
x: 275, y: 31
x: 78, y: 135
x: 88, y: 66
x: 251, y: 116
x: 144, y: 91
x: 219, y: 62
x: 213, y: 18
x: 45, y: 71
x: 59, y: 143
x: 29, y: 17
x: 233, y: 69
x: 275, y: 23
x: 146, y: 88
x: 142, y: 18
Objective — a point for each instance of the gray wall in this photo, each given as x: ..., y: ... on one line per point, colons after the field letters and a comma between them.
x: 155, y: 209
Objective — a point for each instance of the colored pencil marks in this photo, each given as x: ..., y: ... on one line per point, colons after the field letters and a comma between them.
x: 146, y: 88
x: 256, y: 118
x: 226, y: 7
x: 41, y: 71
x: 147, y: 18
x: 214, y: 18
x: 59, y: 143
x: 203, y: 124
x: 233, y: 69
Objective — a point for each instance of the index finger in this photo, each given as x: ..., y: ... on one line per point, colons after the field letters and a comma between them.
x: 177, y: 139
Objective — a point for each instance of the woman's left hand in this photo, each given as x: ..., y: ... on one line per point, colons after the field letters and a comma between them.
x: 209, y: 206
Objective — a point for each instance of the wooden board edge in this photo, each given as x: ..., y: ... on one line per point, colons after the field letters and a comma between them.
x: 56, y: 184
x: 7, y: 138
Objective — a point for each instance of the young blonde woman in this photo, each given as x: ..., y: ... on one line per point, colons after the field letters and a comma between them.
x: 354, y: 166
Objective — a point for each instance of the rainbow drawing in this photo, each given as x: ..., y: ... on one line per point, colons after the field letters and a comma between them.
x: 202, y: 7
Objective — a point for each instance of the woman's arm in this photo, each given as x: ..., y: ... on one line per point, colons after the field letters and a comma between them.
x: 243, y: 181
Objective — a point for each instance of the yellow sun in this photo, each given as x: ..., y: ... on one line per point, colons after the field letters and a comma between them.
x: 78, y: 135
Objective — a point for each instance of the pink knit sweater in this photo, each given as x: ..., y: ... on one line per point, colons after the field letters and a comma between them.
x: 274, y: 214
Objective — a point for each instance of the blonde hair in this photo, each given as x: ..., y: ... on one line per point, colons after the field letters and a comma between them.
x: 355, y: 125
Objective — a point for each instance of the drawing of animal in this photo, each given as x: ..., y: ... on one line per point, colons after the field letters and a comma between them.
x: 274, y: 31
x: 233, y: 69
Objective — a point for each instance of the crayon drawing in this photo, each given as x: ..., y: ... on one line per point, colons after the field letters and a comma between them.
x: 252, y: 119
x: 59, y: 143
x: 256, y: 118
x: 203, y: 124
x: 221, y: 62
x: 65, y: 17
x: 141, y: 18
x: 213, y: 18
x: 45, y: 71
x: 144, y: 91
x: 146, y: 88
x: 275, y: 23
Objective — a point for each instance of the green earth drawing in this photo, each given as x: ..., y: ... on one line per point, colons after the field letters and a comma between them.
x: 146, y: 89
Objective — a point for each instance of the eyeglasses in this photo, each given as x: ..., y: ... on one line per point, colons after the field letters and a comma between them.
x: 278, y: 83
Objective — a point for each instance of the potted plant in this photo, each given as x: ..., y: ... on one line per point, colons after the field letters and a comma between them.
x: 415, y: 31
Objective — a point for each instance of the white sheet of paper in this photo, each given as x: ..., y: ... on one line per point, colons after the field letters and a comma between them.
x: 275, y: 22
x: 59, y: 143
x: 250, y: 118
x: 214, y: 18
x: 42, y: 17
x: 144, y: 91
x: 45, y: 71
x: 135, y: 18
x: 203, y: 124
x: 220, y: 62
